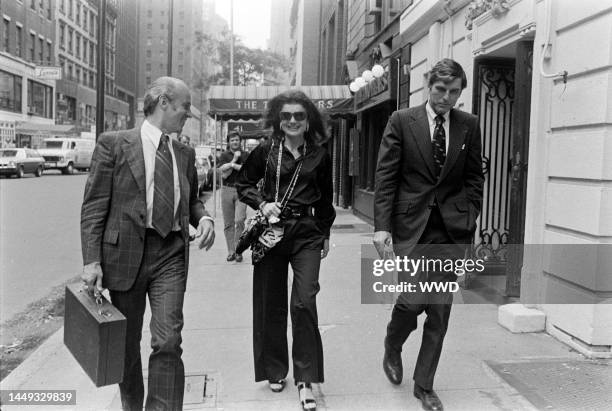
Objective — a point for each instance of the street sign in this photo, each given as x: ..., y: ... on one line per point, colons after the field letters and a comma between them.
x: 48, y: 72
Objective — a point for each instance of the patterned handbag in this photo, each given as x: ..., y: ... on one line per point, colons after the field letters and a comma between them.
x: 261, y: 234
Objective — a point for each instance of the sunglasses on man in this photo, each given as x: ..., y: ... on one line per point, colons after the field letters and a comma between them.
x: 297, y: 115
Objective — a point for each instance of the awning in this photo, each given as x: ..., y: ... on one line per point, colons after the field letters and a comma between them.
x: 250, y: 102
x: 52, y: 129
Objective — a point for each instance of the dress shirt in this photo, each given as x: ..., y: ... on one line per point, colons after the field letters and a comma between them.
x: 431, y: 118
x: 150, y: 136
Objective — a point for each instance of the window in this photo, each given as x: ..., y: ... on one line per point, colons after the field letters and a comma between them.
x: 5, y: 34
x: 149, y: 13
x: 162, y: 27
x: 149, y: 41
x: 40, y: 99
x: 92, y: 23
x: 180, y: 55
x: 62, y: 6
x: 19, y: 41
x: 91, y: 80
x: 10, y: 92
x: 180, y: 68
x: 32, y: 46
x: 62, y: 39
x: 149, y: 26
x: 49, y: 52
x: 70, y: 76
x: 78, y: 75
x: 70, y: 8
x: 148, y: 53
x: 92, y: 56
x: 85, y: 18
x: 148, y: 67
x: 162, y: 13
x: 33, y: 4
x: 41, y: 48
x: 78, y: 46
x: 148, y: 80
x: 70, y: 32
x: 78, y: 13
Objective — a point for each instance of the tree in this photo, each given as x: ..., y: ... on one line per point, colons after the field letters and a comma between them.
x: 251, y: 66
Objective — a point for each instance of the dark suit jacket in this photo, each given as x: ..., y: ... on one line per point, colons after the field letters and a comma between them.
x: 405, y: 181
x: 113, y: 215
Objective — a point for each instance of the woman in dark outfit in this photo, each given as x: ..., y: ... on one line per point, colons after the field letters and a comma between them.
x: 298, y: 130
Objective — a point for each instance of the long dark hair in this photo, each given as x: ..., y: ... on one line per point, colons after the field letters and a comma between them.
x: 316, y: 133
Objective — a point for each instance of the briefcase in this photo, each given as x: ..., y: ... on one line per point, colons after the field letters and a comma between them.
x: 94, y: 332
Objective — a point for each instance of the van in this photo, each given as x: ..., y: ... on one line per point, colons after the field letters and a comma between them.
x: 67, y: 154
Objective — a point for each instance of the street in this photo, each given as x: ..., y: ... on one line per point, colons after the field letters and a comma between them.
x: 40, y: 240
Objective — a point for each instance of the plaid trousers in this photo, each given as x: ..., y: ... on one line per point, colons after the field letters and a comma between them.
x: 163, y: 277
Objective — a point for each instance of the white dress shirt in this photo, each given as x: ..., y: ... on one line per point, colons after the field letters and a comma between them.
x: 431, y: 118
x: 150, y: 136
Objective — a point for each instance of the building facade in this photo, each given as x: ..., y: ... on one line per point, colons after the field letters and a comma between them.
x: 543, y: 99
x: 304, y: 19
x: 372, y: 38
x: 26, y: 46
x: 76, y: 49
x: 158, y: 25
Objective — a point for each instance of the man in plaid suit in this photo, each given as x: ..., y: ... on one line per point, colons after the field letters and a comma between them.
x: 140, y: 197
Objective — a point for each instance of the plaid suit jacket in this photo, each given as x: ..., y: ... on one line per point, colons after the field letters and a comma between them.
x: 113, y: 215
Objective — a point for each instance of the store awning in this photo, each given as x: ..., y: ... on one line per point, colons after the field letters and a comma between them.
x: 51, y: 129
x: 250, y: 102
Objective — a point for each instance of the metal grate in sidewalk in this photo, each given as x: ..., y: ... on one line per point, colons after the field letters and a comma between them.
x: 560, y: 384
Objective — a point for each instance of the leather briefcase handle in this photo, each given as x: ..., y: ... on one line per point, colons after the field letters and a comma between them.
x: 97, y: 296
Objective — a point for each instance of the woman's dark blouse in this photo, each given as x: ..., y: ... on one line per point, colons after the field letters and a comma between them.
x: 314, y: 184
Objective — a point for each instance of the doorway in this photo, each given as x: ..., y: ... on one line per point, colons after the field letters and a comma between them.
x: 502, y: 100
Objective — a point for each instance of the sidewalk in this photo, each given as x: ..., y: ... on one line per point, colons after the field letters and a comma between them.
x: 217, y: 342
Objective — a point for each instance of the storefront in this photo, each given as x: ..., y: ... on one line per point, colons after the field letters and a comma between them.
x: 544, y: 129
x: 239, y: 107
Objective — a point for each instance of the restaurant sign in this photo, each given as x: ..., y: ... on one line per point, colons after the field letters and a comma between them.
x: 48, y: 73
x: 262, y: 105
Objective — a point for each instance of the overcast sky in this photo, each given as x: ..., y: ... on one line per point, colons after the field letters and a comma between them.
x: 251, y: 20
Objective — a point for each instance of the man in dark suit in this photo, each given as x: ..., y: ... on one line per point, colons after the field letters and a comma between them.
x: 140, y: 197
x: 428, y: 195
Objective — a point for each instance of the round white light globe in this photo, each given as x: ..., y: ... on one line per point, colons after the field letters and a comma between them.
x: 353, y: 87
x: 360, y: 81
x: 378, y: 70
x: 367, y: 76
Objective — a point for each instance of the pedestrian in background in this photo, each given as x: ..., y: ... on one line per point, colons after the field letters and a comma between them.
x: 294, y: 165
x: 234, y: 210
x: 428, y: 195
x: 140, y: 197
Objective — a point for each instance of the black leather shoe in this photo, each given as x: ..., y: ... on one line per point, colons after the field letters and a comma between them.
x: 392, y: 365
x: 429, y: 399
x: 238, y: 258
x: 231, y: 257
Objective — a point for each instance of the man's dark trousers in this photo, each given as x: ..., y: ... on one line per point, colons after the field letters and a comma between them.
x: 434, y: 243
x: 162, y: 275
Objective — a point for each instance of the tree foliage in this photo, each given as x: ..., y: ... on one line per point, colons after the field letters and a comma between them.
x: 250, y: 65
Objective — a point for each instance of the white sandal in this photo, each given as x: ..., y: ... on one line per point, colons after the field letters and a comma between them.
x: 307, y: 399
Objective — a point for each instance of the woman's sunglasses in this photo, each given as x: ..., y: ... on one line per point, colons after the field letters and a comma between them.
x: 297, y: 115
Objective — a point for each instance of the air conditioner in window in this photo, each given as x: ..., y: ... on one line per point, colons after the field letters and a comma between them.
x: 374, y: 6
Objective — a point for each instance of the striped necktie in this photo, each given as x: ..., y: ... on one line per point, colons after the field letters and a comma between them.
x: 163, y: 182
x: 439, y: 145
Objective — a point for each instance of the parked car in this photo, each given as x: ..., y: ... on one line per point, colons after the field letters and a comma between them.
x: 20, y: 161
x: 205, y: 175
x: 67, y: 154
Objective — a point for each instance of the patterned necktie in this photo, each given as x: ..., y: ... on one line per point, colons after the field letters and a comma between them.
x: 439, y: 145
x: 163, y: 196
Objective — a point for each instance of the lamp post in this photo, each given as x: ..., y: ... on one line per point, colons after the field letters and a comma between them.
x: 101, y: 69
